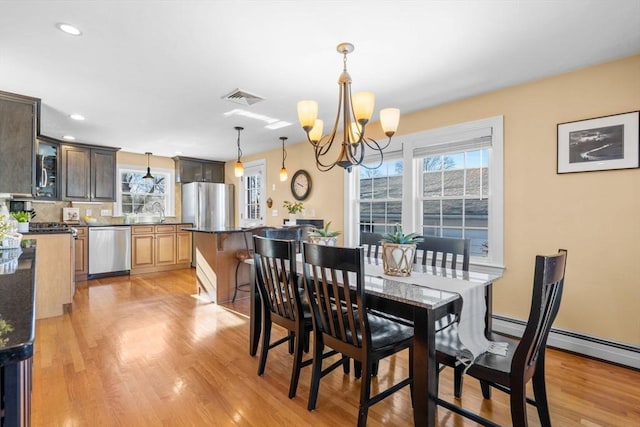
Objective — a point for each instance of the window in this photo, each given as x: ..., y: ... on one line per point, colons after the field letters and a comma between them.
x: 447, y: 184
x: 137, y: 196
x: 454, y: 197
x: 380, y: 197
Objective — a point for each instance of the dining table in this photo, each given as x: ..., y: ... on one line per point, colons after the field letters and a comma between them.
x: 425, y: 296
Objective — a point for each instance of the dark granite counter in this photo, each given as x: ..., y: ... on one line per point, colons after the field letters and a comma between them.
x: 215, y: 230
x: 133, y: 224
x: 17, y: 307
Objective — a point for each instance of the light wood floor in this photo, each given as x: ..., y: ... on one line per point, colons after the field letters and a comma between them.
x: 141, y: 351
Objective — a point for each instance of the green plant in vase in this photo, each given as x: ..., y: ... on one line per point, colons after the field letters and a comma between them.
x: 324, y: 236
x: 23, y: 219
x: 294, y: 209
x: 399, y: 251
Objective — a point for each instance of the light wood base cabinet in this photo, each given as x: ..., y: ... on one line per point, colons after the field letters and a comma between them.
x: 55, y: 283
x: 159, y: 248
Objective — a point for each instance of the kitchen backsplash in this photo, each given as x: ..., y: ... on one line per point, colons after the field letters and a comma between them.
x: 52, y: 211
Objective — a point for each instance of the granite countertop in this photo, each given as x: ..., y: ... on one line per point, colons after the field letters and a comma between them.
x: 17, y: 307
x: 133, y: 224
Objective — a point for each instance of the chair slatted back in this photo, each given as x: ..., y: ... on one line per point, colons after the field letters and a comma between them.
x: 277, y: 279
x: 445, y: 252
x: 372, y: 243
x: 298, y: 233
x: 248, y: 236
x: 330, y: 272
x: 548, y: 283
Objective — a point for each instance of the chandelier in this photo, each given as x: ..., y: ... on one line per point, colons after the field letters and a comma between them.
x: 354, y: 112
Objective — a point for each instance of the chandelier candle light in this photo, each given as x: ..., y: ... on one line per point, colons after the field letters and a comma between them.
x: 239, y: 168
x: 356, y: 112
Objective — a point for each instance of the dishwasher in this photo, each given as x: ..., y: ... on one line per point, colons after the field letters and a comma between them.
x: 109, y: 251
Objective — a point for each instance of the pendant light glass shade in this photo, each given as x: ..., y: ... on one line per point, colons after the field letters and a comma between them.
x: 238, y: 169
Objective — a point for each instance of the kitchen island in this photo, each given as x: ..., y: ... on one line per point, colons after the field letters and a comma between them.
x: 215, y: 257
x: 17, y: 329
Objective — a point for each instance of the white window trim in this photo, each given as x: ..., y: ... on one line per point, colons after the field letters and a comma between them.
x: 170, y: 211
x: 411, y: 215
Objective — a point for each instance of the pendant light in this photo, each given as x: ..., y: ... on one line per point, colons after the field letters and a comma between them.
x: 283, y: 171
x: 148, y: 175
x: 239, y: 168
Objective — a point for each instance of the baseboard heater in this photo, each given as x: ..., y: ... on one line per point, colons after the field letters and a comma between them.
x: 611, y: 351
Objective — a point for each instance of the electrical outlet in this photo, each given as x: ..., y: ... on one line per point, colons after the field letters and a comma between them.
x: 274, y: 212
x: 88, y: 212
x: 105, y: 212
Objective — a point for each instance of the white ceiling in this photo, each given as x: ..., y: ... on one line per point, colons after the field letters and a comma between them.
x: 149, y: 75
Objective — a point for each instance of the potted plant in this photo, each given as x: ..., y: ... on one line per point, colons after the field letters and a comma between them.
x: 294, y: 209
x: 23, y: 219
x: 324, y: 236
x: 399, y: 251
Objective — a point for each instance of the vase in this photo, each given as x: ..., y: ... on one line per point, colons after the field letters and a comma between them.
x: 397, y: 258
x: 321, y: 240
x: 23, y: 227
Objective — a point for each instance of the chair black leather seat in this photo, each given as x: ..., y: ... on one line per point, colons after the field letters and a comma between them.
x: 342, y: 322
x: 525, y: 357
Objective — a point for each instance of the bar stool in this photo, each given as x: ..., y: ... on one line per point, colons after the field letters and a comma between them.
x: 244, y: 254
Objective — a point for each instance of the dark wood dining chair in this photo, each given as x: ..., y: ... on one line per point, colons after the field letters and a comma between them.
x: 334, y: 283
x: 277, y: 282
x: 452, y: 253
x: 298, y: 233
x: 525, y: 357
x: 444, y: 252
x: 371, y: 242
x: 244, y: 254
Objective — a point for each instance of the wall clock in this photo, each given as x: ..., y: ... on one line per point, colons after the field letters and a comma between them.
x: 301, y: 184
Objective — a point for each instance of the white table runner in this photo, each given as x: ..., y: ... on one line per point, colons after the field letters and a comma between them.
x: 471, y: 327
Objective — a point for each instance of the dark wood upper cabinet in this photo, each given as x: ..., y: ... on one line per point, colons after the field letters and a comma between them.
x: 103, y: 175
x: 196, y: 170
x: 19, y: 121
x: 88, y: 173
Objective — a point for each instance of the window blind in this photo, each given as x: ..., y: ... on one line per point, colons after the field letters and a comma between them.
x: 467, y: 141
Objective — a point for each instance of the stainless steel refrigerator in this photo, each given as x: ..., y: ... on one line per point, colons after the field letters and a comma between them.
x: 207, y: 205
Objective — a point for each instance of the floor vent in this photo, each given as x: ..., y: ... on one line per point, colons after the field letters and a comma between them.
x: 243, y: 97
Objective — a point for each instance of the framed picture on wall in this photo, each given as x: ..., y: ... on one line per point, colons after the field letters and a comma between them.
x: 602, y: 143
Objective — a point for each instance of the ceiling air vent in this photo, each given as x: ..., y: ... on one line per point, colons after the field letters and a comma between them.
x: 243, y: 97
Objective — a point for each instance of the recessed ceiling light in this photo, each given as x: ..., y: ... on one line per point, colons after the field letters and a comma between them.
x: 69, y: 138
x: 69, y: 29
x: 76, y: 117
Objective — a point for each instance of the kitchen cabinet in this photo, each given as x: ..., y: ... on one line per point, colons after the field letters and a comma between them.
x: 160, y: 247
x: 55, y: 278
x: 196, y: 170
x: 88, y: 173
x: 19, y: 121
x: 82, y: 254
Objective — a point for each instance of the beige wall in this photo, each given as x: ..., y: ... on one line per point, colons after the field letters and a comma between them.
x: 593, y: 215
x: 325, y: 200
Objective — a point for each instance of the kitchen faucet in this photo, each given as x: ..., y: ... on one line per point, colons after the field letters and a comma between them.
x: 157, y: 206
